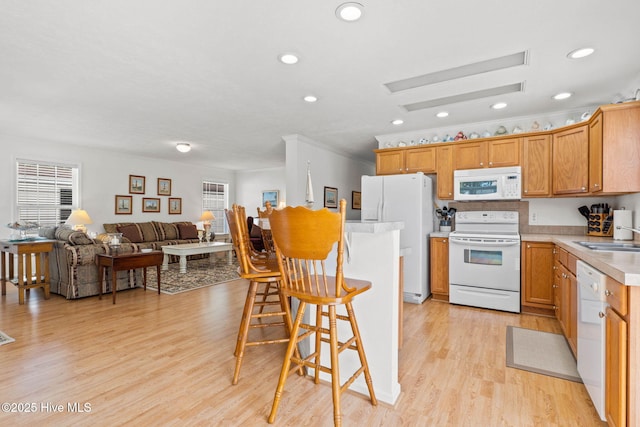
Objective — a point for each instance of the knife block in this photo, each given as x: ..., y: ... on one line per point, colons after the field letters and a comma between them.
x: 600, y: 224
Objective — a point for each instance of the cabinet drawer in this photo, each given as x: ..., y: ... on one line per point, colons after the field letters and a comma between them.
x: 572, y: 262
x: 616, y: 294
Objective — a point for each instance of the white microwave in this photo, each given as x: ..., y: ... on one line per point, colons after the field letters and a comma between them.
x: 488, y: 184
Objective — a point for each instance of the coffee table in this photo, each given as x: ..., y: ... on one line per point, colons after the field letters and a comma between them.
x: 127, y: 262
x: 194, y: 249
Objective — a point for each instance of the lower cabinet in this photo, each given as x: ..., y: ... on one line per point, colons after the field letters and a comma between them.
x: 536, y: 276
x: 616, y: 369
x: 439, y: 267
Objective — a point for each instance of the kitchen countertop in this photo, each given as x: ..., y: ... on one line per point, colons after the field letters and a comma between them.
x: 439, y: 234
x: 622, y: 266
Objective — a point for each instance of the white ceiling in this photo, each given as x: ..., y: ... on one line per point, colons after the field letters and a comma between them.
x: 139, y: 75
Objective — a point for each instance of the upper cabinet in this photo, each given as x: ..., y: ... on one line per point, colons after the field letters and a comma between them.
x: 597, y: 157
x: 536, y: 166
x: 406, y: 160
x: 570, y: 157
x: 614, y: 149
x: 487, y: 154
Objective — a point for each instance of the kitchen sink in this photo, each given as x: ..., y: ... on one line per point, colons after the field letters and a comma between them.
x: 611, y: 246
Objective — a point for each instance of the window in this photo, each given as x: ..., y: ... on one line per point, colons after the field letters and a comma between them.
x: 215, y: 198
x: 46, y: 192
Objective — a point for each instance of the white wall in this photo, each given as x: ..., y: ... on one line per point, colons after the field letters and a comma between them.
x: 631, y: 202
x: 251, y: 183
x: 328, y: 169
x: 103, y: 174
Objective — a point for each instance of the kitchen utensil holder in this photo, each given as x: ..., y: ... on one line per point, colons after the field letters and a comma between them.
x: 600, y: 224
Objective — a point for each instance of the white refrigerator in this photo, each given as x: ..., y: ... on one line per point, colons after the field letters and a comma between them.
x: 406, y: 198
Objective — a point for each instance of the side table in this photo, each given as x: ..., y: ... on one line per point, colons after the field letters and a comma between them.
x: 32, y: 254
x: 127, y: 262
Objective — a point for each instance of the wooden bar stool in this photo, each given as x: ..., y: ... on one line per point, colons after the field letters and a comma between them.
x: 264, y: 293
x: 303, y: 240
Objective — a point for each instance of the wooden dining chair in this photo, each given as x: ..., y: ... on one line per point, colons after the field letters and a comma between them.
x: 264, y: 302
x: 267, y: 239
x: 303, y: 240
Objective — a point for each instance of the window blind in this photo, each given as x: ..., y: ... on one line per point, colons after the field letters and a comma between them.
x: 215, y: 198
x: 45, y: 192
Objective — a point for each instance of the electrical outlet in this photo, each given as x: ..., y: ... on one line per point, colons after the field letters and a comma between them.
x: 534, y: 218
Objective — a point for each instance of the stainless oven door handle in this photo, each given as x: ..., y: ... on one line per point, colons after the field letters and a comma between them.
x: 482, y: 242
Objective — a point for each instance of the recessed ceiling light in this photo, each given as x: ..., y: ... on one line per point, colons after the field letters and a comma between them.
x: 288, y: 58
x: 310, y: 98
x: 499, y: 105
x: 349, y: 11
x: 580, y: 53
x: 442, y: 114
x: 183, y: 147
x: 397, y: 122
x: 562, y: 95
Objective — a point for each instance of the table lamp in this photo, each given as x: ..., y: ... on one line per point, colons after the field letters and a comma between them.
x: 78, y: 219
x: 206, y: 218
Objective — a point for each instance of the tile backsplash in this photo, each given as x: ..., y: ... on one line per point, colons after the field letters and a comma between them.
x: 523, y: 208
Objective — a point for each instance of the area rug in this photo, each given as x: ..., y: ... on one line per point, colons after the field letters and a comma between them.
x: 200, y: 273
x: 5, y: 339
x: 541, y: 352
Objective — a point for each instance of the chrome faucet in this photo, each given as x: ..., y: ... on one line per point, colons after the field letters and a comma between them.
x: 635, y: 230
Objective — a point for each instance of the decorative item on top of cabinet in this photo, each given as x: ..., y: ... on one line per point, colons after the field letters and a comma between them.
x: 440, y: 268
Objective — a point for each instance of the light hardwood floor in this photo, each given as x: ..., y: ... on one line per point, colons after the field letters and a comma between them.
x: 168, y: 360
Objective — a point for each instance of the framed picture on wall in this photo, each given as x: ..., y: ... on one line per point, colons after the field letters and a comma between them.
x: 355, y: 200
x: 175, y: 205
x: 330, y: 197
x: 123, y: 205
x: 150, y: 204
x: 136, y: 184
x: 270, y: 196
x: 164, y: 187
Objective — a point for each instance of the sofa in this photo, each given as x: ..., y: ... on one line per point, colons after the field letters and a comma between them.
x: 72, y: 268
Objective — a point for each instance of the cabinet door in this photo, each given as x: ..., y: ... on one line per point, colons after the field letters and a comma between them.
x: 470, y: 155
x: 570, y: 154
x: 536, y: 166
x: 503, y: 152
x: 389, y: 163
x: 595, y: 154
x: 420, y: 160
x: 620, y: 148
x: 445, y: 172
x: 573, y: 313
x: 537, y: 274
x: 439, y: 265
x: 616, y: 369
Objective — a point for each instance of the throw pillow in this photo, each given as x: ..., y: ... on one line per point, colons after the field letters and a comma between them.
x: 170, y: 231
x: 131, y: 232
x: 188, y: 231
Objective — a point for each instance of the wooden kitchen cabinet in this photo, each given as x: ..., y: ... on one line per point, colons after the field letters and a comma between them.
x: 616, y: 362
x: 537, y: 277
x: 616, y: 369
x: 403, y: 160
x: 440, y: 267
x: 565, y: 285
x: 570, y: 159
x: 444, y: 163
x: 487, y: 154
x: 614, y: 149
x: 536, y: 166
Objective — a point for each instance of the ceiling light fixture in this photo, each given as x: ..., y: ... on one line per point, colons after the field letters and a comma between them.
x: 397, y: 122
x: 183, y: 147
x: 350, y: 11
x: 562, y: 95
x: 442, y: 114
x: 499, y: 105
x: 288, y: 58
x: 310, y: 98
x: 580, y: 53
